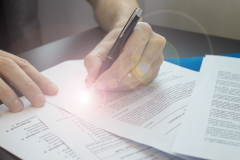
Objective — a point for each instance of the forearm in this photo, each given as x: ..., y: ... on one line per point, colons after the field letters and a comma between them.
x: 111, y: 14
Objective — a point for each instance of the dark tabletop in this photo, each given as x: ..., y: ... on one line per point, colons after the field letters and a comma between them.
x: 179, y: 44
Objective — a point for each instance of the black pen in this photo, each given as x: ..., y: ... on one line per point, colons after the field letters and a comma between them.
x: 120, y: 42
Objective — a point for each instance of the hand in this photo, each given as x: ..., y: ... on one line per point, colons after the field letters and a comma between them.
x: 25, y: 78
x: 138, y: 64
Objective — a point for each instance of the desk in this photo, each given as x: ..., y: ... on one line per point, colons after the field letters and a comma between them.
x: 179, y: 44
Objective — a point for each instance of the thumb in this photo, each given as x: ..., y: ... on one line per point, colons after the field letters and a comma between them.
x: 94, y: 60
x: 93, y: 63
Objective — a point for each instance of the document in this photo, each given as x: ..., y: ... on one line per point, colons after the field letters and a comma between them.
x: 26, y: 136
x: 90, y: 142
x: 150, y: 115
x: 30, y: 134
x: 211, y: 126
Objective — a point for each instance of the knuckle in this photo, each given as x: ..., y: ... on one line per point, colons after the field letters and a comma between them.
x: 24, y: 64
x: 5, y: 92
x: 129, y: 61
x: 42, y: 79
x: 30, y: 85
x: 160, y: 40
x: 145, y: 27
x: 7, y: 63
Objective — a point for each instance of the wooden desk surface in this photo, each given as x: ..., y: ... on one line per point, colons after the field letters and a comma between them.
x: 179, y: 44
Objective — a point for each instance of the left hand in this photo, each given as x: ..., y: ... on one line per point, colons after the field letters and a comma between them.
x: 138, y: 64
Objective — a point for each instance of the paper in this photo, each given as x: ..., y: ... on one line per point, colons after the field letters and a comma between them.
x: 211, y: 127
x: 150, y: 115
x: 25, y: 136
x: 30, y: 135
x: 90, y: 142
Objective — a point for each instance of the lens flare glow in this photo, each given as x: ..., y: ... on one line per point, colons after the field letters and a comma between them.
x: 84, y: 97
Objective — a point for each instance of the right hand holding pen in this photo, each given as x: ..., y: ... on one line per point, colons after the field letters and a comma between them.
x: 25, y: 78
x: 138, y: 64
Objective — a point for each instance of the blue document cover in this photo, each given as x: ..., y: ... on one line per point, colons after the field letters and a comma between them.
x: 194, y: 63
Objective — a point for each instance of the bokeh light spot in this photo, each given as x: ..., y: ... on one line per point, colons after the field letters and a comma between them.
x: 142, y: 68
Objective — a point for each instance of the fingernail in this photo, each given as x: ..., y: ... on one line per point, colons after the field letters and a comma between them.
x: 17, y: 105
x: 39, y: 100
x: 52, y: 88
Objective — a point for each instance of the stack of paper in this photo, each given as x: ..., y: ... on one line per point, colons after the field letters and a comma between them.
x: 28, y: 137
x: 211, y: 126
x: 150, y: 115
x: 134, y: 125
x: 52, y: 133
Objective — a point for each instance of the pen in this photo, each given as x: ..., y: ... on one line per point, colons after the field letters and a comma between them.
x: 119, y: 43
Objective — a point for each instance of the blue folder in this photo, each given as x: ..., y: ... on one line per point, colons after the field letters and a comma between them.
x: 194, y: 63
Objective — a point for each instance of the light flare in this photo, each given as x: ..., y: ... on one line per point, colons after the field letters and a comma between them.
x: 84, y: 97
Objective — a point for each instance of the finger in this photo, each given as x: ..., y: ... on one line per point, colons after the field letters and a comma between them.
x: 152, y: 51
x: 133, y: 49
x: 151, y: 60
x: 130, y: 80
x: 127, y: 82
x: 142, y: 72
x: 93, y: 64
x: 128, y: 58
x: 9, y: 98
x: 133, y: 79
x: 94, y: 60
x: 147, y: 65
x: 157, y: 65
x: 46, y: 86
x: 41, y: 81
x: 126, y: 86
x: 20, y: 80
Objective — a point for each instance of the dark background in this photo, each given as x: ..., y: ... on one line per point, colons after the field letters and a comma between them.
x: 19, y: 18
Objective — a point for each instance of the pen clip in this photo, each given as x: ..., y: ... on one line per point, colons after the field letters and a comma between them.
x: 137, y: 12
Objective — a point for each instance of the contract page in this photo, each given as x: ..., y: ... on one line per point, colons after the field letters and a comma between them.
x: 150, y: 115
x: 30, y: 134
x: 26, y: 136
x: 90, y: 142
x: 211, y: 126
